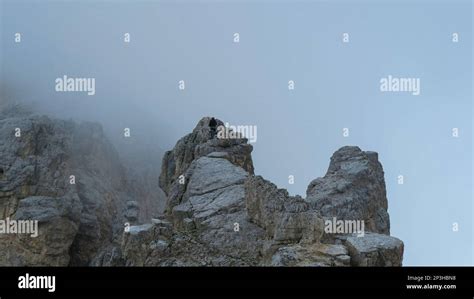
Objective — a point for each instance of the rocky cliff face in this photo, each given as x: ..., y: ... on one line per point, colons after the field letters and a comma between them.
x: 69, y: 178
x: 353, y: 188
x: 219, y: 213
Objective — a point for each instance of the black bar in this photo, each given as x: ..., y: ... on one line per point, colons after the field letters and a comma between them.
x: 218, y: 282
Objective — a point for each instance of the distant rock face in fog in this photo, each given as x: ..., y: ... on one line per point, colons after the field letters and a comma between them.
x: 219, y: 213
x: 69, y: 178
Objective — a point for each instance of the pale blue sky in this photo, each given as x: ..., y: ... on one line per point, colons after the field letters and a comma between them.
x: 337, y: 86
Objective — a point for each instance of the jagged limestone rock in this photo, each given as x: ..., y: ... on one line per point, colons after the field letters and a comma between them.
x: 132, y: 211
x: 52, y: 166
x: 285, y: 218
x: 352, y: 189
x: 58, y: 223
x: 219, y: 213
x: 213, y: 205
x: 375, y: 250
x: 199, y: 143
x: 317, y: 255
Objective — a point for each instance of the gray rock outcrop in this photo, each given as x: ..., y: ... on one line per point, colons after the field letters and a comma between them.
x: 375, y: 250
x: 199, y: 143
x: 89, y: 207
x: 219, y: 213
x: 353, y: 188
x: 69, y: 178
x: 58, y: 221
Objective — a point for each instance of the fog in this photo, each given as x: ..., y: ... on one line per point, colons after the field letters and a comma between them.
x: 246, y: 83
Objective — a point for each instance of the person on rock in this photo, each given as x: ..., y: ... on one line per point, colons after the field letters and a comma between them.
x: 213, y: 127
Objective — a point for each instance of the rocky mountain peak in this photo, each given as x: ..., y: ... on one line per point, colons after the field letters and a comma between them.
x: 219, y: 213
x: 353, y: 188
x: 202, y: 141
